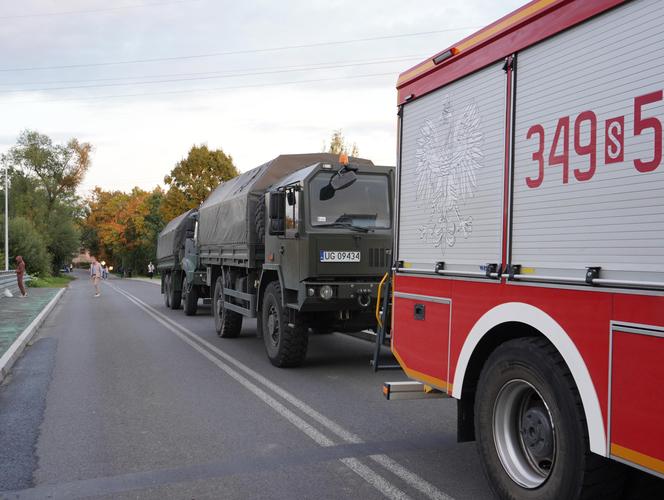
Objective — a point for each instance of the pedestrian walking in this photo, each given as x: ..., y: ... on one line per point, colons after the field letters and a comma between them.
x: 20, y: 272
x: 150, y: 269
x: 95, y: 275
x: 104, y: 272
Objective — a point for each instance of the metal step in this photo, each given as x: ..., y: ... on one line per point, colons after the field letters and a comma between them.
x: 410, y: 389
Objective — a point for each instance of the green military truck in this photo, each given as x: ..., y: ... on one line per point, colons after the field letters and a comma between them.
x: 300, y: 243
x: 177, y: 262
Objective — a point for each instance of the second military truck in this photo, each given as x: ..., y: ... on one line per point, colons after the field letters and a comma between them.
x: 300, y: 243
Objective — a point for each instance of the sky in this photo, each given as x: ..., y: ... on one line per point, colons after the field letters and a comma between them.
x: 144, y: 80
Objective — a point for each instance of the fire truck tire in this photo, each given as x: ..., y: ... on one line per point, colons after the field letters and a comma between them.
x: 167, y: 293
x: 189, y: 298
x: 531, y: 428
x: 174, y: 297
x: 227, y: 323
x: 286, y: 346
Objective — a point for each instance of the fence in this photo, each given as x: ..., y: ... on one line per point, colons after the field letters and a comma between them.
x: 8, y: 281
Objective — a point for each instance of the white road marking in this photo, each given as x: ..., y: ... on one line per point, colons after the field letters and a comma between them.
x: 366, y: 473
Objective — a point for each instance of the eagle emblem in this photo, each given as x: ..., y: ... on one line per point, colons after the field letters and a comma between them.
x: 447, y: 159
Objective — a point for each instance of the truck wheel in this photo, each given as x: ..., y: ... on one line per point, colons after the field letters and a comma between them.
x: 286, y: 346
x: 531, y: 428
x: 175, y: 297
x: 167, y: 291
x: 189, y: 298
x: 227, y: 323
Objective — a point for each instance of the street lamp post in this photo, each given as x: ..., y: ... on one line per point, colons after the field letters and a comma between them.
x: 6, y: 217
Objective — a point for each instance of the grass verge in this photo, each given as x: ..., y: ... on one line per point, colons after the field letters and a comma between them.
x: 60, y: 281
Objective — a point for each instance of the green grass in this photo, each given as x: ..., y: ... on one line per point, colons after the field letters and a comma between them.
x: 50, y: 281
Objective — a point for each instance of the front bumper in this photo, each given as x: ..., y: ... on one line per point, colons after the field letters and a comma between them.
x: 346, y: 295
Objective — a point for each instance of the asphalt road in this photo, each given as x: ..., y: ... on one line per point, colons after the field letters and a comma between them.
x: 120, y: 397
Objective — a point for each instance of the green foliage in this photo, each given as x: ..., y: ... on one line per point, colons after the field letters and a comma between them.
x: 193, y: 178
x: 25, y: 240
x: 122, y: 228
x: 338, y: 145
x: 63, y: 236
x: 43, y: 181
x: 60, y: 281
x: 58, y: 169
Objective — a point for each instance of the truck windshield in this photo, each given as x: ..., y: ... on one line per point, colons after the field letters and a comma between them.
x: 363, y: 205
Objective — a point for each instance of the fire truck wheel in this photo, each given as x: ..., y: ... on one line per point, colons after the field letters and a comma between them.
x: 174, y: 297
x: 189, y: 298
x: 531, y: 429
x: 286, y: 346
x: 227, y: 323
x: 167, y: 293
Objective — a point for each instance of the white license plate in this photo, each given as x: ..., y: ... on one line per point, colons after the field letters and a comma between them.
x: 339, y: 256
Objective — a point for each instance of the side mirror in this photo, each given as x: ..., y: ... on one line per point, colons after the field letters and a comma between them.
x: 343, y: 179
x: 277, y: 213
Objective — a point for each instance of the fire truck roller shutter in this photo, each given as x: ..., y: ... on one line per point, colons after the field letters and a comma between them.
x: 451, y: 174
x: 545, y: 324
x: 589, y: 173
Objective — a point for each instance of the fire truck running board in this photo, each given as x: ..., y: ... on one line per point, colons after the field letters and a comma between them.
x: 411, y: 390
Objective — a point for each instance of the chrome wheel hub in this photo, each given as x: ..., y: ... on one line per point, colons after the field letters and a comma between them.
x: 524, y: 434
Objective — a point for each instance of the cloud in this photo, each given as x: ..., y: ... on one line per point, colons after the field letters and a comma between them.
x: 254, y: 118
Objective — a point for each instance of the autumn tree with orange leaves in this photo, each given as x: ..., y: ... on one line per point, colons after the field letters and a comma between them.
x: 122, y: 228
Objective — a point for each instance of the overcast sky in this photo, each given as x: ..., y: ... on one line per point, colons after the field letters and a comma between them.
x: 255, y: 78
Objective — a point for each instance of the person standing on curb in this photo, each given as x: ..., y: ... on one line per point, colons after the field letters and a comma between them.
x: 95, y: 275
x: 150, y: 269
x: 20, y: 272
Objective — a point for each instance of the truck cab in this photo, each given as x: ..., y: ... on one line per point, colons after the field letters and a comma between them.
x: 329, y: 241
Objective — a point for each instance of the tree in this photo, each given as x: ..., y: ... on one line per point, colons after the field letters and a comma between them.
x: 59, y: 168
x: 122, y: 228
x: 63, y: 237
x: 338, y: 145
x: 26, y: 240
x: 193, y: 178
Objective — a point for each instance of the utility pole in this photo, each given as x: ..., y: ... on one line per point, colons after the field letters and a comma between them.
x: 6, y: 217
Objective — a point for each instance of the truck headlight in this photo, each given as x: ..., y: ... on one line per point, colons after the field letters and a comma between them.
x: 326, y: 292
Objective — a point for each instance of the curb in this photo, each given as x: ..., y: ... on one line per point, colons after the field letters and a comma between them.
x: 141, y: 280
x: 9, y: 358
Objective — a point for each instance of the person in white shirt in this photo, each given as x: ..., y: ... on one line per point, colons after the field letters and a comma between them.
x: 95, y: 275
x: 150, y: 269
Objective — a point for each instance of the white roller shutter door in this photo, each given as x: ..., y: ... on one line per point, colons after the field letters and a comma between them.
x: 584, y: 90
x: 452, y: 166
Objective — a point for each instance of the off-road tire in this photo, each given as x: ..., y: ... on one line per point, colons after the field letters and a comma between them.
x: 260, y: 222
x: 174, y: 297
x: 228, y: 324
x: 189, y: 298
x: 286, y: 346
x: 167, y: 292
x: 575, y: 473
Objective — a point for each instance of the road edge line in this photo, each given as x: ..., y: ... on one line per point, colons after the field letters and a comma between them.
x: 16, y: 349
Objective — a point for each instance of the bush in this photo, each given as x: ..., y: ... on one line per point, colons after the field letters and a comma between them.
x: 25, y: 240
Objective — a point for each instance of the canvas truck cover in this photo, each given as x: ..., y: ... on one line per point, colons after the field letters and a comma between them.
x: 228, y: 216
x: 172, y: 236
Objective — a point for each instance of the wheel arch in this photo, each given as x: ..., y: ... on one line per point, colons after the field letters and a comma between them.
x: 268, y: 275
x: 494, y: 328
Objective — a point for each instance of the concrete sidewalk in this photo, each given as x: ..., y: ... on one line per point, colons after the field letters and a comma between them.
x: 17, y: 317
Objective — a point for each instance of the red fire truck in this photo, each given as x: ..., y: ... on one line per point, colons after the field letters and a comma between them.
x: 529, y: 257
